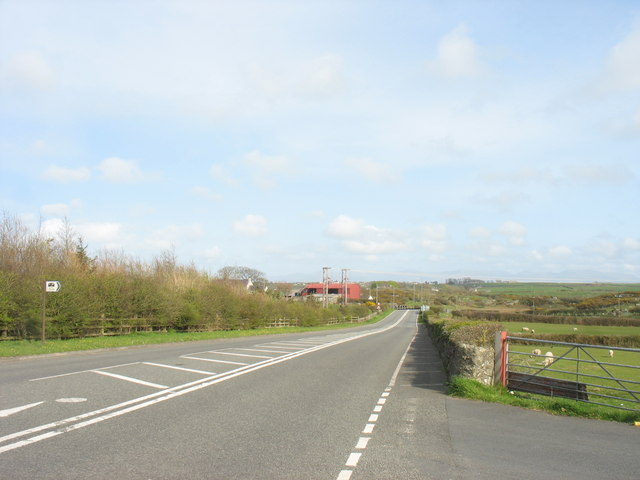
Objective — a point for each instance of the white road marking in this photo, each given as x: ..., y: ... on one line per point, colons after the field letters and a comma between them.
x: 362, y: 443
x: 385, y: 394
x: 353, y: 459
x: 239, y: 354
x: 277, y: 345
x: 261, y: 350
x: 154, y: 398
x: 344, y: 475
x: 130, y: 379
x: 175, y: 367
x: 368, y: 428
x: 71, y: 400
x: 82, y: 371
x: 382, y: 401
x: 214, y: 360
x: 11, y: 411
x: 373, y: 417
x: 377, y: 408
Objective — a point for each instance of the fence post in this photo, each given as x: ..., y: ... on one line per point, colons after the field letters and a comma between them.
x: 500, y: 362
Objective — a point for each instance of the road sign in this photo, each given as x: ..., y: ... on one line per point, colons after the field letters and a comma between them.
x: 52, y: 286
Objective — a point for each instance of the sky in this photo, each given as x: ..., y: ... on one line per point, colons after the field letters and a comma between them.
x: 412, y: 140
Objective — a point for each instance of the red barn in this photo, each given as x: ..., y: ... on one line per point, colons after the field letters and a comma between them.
x: 353, y: 290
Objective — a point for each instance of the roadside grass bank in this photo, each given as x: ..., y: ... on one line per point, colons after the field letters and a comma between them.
x: 19, y: 348
x: 474, y: 390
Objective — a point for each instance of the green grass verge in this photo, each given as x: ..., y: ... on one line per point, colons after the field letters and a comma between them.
x: 18, y: 348
x: 472, y: 389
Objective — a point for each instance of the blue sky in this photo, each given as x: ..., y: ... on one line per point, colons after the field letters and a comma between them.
x: 428, y: 140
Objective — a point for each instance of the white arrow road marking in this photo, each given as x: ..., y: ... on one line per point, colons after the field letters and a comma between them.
x: 11, y: 411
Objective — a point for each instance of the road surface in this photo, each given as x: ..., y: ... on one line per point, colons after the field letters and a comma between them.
x: 361, y: 403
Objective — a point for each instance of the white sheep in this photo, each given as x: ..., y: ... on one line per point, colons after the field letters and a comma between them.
x: 575, y: 329
x: 536, y: 351
x: 525, y: 329
x: 533, y: 331
x: 548, y: 358
x: 611, y: 353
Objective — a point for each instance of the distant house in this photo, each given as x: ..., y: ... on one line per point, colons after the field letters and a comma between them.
x: 353, y: 290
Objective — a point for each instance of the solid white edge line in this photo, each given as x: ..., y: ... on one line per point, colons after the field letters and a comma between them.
x: 168, y: 394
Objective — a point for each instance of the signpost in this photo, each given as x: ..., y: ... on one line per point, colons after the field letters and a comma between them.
x: 50, y: 286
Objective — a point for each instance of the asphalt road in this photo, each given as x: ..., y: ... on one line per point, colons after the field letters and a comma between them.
x: 363, y: 403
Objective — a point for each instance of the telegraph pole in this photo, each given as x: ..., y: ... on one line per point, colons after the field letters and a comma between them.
x: 325, y: 286
x: 345, y: 284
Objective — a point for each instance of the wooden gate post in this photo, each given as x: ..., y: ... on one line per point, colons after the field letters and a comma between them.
x: 500, y: 362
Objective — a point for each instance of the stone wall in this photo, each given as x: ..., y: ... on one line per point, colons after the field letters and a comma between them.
x: 461, y: 359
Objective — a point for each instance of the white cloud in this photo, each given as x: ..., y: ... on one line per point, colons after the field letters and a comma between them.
x: 55, y: 210
x: 623, y: 63
x: 266, y: 163
x: 480, y: 232
x: 514, y: 231
x: 458, y: 55
x: 631, y: 243
x: 251, y: 226
x: 28, y: 69
x: 434, y: 238
x: 213, y: 252
x: 116, y: 169
x: 560, y: 251
x: 206, y: 193
x: 358, y: 237
x: 347, y: 227
x: 323, y: 75
x: 65, y: 175
x: 374, y: 246
x: 221, y: 173
x: 375, y: 171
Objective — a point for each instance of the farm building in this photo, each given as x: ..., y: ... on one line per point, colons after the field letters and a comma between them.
x: 353, y: 290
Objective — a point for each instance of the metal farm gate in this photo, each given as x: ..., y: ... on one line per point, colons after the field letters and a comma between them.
x: 596, y: 374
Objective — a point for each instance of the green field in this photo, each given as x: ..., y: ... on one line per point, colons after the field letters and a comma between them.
x: 560, y: 290
x: 567, y: 329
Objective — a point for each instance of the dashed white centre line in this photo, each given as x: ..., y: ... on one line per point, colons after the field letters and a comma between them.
x: 373, y: 417
x: 353, y: 459
x: 377, y: 408
x: 362, y: 443
x: 344, y: 475
x: 368, y: 428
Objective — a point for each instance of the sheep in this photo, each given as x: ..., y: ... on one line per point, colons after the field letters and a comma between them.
x: 575, y: 329
x: 536, y: 351
x: 533, y: 331
x: 548, y: 359
x: 525, y: 329
x: 611, y: 353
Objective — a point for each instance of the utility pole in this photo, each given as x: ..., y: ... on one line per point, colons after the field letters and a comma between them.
x: 345, y: 285
x: 325, y: 286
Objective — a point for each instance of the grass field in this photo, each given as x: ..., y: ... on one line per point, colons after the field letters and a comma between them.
x: 560, y: 290
x: 562, y: 329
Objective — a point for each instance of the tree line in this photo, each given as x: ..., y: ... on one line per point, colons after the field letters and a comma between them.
x: 112, y: 292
